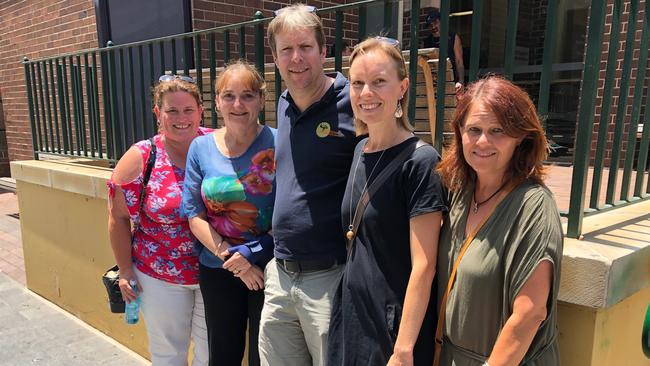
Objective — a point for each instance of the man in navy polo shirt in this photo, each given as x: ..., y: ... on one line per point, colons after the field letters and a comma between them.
x: 314, y: 149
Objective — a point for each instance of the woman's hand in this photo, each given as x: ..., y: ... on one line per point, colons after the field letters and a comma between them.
x: 128, y: 294
x: 401, y: 359
x: 237, y: 264
x: 253, y: 278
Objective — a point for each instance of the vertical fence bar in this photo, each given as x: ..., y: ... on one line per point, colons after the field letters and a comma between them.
x: 55, y: 109
x: 388, y: 17
x: 50, y: 126
x: 37, y: 111
x: 643, y: 151
x: 115, y: 125
x: 645, y: 134
x: 82, y: 115
x: 213, y: 75
x: 62, y: 100
x: 278, y: 85
x: 586, y: 117
x: 511, y: 37
x: 98, y: 127
x: 259, y: 55
x: 41, y: 81
x: 174, y: 66
x: 621, y: 109
x: 152, y: 121
x: 161, y: 47
x: 475, y: 53
x: 124, y: 115
x: 198, y: 64
x: 636, y: 111
x: 547, y: 60
x: 89, y: 105
x: 187, y: 55
x: 75, y: 106
x: 30, y: 105
x: 338, y: 41
x: 226, y: 46
x: 143, y: 99
x: 413, y: 58
x: 242, y: 42
x: 134, y: 118
x: 442, y: 75
x: 608, y: 88
x: 363, y: 18
x: 106, y: 97
x: 67, y: 132
x: 81, y: 123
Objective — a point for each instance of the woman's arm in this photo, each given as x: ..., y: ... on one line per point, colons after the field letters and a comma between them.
x: 119, y: 220
x: 425, y: 230
x: 528, y: 313
x: 207, y: 235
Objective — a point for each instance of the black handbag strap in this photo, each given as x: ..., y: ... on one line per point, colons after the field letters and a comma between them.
x: 377, y: 183
x: 147, y: 173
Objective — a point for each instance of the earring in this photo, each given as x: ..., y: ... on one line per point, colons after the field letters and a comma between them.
x: 398, y: 111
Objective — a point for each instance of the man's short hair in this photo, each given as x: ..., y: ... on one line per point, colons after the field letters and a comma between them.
x: 294, y: 17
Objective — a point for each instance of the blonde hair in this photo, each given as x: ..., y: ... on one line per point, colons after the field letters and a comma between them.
x: 294, y: 17
x: 378, y: 45
x: 172, y: 86
x: 250, y: 77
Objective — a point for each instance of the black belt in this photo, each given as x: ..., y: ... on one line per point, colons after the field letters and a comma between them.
x: 294, y: 266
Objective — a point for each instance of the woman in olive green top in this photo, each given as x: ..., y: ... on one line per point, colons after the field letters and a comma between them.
x: 500, y: 308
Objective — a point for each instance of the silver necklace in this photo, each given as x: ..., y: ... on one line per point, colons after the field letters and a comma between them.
x: 350, y: 234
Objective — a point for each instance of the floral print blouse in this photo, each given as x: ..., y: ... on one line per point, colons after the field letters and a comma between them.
x: 237, y: 195
x: 162, y: 244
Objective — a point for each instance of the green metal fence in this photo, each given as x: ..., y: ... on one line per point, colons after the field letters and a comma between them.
x: 96, y: 103
x: 586, y: 112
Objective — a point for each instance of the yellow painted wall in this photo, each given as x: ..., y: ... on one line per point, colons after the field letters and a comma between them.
x: 65, y: 243
x: 603, y: 337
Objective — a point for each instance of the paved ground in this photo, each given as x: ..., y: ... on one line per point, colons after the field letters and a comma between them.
x: 33, y: 331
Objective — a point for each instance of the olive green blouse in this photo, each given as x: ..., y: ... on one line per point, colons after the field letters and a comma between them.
x: 523, y: 230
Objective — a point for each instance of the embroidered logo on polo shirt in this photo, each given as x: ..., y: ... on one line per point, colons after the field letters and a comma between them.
x: 323, y: 129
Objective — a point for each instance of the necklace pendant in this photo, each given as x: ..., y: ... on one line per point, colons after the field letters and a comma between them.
x: 349, y: 235
x: 475, y: 208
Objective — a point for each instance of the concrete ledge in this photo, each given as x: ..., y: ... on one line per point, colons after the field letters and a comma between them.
x: 69, y: 176
x: 611, y: 262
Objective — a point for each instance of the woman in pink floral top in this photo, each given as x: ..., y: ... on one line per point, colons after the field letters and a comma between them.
x: 157, y: 250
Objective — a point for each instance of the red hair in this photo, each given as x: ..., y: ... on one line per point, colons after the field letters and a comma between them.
x: 518, y: 117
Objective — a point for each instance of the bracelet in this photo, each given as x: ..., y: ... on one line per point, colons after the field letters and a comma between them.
x: 219, y: 247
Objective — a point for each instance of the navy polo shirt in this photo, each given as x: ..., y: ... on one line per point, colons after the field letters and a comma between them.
x: 313, y: 155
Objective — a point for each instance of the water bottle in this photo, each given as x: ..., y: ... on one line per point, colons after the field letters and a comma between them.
x: 132, y: 309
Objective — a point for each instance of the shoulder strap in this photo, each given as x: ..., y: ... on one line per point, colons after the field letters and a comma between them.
x: 147, y: 172
x: 452, y: 275
x: 377, y: 183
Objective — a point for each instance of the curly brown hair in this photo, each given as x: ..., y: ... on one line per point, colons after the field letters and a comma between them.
x: 517, y: 114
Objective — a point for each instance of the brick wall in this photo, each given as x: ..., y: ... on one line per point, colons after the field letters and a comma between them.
x: 616, y: 98
x: 35, y: 29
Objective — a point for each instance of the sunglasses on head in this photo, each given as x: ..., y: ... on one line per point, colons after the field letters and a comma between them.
x: 308, y: 8
x: 187, y: 79
x: 391, y: 41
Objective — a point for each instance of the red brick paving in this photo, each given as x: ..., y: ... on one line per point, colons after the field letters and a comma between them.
x: 12, y: 260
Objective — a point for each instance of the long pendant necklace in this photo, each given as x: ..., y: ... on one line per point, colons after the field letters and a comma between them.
x: 476, y: 205
x: 350, y: 234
